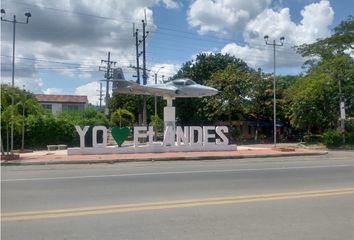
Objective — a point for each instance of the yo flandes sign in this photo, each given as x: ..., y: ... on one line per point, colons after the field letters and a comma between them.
x: 194, y: 138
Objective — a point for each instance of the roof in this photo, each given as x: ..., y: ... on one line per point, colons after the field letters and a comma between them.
x: 61, y: 98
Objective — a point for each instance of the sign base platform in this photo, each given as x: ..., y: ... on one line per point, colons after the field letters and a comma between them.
x: 155, y: 148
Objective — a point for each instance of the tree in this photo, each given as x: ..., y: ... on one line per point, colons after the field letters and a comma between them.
x: 311, y: 104
x: 205, y: 65
x: 25, y: 105
x: 133, y: 103
x: 260, y: 98
x: 194, y: 111
x: 229, y: 103
x: 330, y: 58
x: 122, y: 116
x: 157, y: 124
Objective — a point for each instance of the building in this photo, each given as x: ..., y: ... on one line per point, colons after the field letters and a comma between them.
x: 62, y: 103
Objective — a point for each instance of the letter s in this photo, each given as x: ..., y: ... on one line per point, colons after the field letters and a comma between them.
x: 221, y: 130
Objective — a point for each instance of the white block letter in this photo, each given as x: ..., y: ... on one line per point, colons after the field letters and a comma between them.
x: 151, y: 134
x: 207, y: 135
x: 182, y: 136
x: 139, y: 132
x: 169, y: 137
x: 94, y: 137
x: 199, y: 131
x: 221, y: 130
x: 82, y: 133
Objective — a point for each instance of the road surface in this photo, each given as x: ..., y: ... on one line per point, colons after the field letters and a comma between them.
x: 280, y: 198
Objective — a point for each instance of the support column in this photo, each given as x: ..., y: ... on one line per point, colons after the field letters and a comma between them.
x: 169, y: 113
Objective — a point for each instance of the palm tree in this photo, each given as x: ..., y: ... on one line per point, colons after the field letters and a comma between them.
x: 122, y: 115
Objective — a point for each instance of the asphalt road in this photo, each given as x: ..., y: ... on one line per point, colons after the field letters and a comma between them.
x: 280, y: 198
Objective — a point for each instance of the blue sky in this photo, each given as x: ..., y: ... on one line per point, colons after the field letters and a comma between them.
x: 60, y: 50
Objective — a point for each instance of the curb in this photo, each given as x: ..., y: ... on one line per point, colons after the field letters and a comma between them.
x: 200, y: 158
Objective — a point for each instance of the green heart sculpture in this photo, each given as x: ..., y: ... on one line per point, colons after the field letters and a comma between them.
x: 120, y: 134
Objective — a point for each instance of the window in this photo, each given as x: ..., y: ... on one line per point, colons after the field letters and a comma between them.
x: 72, y: 107
x: 178, y: 83
x: 47, y: 107
x: 190, y: 82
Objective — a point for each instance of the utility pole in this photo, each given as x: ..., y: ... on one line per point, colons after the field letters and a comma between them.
x: 108, y: 76
x: 145, y: 34
x: 274, y: 95
x: 14, y: 22
x: 136, y: 35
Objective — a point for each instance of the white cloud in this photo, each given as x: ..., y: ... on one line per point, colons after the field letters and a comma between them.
x: 316, y: 19
x: 221, y: 16
x: 91, y: 90
x: 71, y: 37
x: 164, y: 73
x: 54, y: 91
x: 170, y: 4
x: 26, y: 74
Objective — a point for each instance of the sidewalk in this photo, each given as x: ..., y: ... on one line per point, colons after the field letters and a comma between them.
x: 251, y: 151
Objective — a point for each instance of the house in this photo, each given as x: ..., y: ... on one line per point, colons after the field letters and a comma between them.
x: 62, y: 103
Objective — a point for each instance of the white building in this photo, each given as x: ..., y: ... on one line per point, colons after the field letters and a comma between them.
x: 61, y: 103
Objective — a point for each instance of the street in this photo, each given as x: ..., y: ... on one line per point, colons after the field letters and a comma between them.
x: 270, y: 198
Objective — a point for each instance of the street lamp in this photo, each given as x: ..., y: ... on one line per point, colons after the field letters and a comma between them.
x: 23, y: 120
x: 158, y: 70
x: 274, y: 44
x: 14, y: 21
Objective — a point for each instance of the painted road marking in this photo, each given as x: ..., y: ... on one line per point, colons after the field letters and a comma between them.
x: 124, y: 208
x: 177, y: 172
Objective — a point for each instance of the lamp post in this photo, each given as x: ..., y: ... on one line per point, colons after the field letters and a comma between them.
x: 23, y: 120
x: 14, y: 21
x: 274, y: 44
x: 155, y: 100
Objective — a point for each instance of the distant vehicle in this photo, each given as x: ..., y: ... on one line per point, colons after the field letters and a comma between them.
x: 179, y: 88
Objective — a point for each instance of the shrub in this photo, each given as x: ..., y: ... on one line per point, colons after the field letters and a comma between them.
x: 349, y: 138
x: 235, y: 133
x: 332, y: 138
x: 42, y: 130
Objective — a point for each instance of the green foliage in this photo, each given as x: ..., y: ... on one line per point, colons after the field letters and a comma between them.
x: 157, y: 123
x: 134, y: 104
x: 24, y: 105
x: 333, y: 138
x: 314, y: 102
x: 47, y: 129
x: 122, y: 117
x: 88, y: 117
x: 43, y: 129
x: 206, y: 65
x: 131, y: 103
x: 203, y: 70
x: 228, y: 104
x: 235, y: 133
x: 311, y: 103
